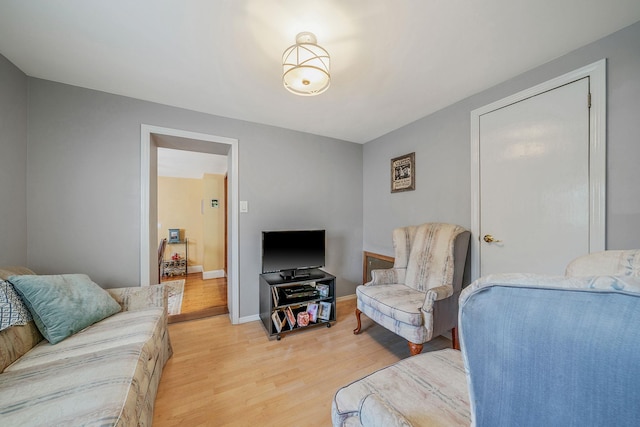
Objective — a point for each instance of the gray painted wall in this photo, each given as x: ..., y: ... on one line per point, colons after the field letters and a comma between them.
x: 441, y: 142
x: 83, y: 186
x: 13, y: 164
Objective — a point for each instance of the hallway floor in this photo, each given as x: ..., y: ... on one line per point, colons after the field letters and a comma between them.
x: 202, y: 298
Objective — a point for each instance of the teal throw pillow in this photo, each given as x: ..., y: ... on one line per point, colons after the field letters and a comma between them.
x: 62, y: 305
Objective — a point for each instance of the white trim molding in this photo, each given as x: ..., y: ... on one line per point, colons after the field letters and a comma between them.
x: 146, y: 262
x: 194, y: 269
x: 247, y: 319
x: 212, y: 274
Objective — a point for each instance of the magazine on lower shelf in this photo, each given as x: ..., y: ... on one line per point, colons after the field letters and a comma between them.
x: 324, y: 310
x: 279, y: 320
x: 303, y: 318
x: 312, y: 309
x: 291, y: 319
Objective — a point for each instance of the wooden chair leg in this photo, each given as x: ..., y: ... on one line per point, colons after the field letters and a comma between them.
x: 454, y: 339
x: 356, y: 331
x: 415, y: 348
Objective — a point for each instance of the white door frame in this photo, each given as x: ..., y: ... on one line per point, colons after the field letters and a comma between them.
x: 597, y: 153
x: 233, y: 275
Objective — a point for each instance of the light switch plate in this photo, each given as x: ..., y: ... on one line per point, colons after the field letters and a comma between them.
x: 244, y: 206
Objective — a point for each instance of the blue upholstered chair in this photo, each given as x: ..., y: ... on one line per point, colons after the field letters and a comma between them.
x: 418, y: 298
x: 536, y: 351
x: 543, y: 352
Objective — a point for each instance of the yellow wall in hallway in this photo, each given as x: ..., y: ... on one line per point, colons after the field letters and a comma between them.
x: 179, y: 207
x: 185, y: 203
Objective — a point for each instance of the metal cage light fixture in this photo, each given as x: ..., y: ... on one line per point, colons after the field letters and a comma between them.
x: 305, y: 66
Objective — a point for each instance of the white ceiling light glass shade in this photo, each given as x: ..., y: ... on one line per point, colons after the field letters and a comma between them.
x: 305, y: 66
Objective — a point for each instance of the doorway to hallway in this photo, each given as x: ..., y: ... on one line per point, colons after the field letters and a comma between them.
x: 153, y: 137
x: 191, y: 216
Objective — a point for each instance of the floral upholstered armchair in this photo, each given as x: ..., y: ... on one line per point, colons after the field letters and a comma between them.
x: 418, y: 298
x: 613, y: 262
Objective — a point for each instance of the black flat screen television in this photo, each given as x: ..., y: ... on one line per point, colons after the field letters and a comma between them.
x: 292, y: 252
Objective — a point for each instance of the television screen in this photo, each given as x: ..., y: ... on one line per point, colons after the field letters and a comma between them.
x: 292, y: 250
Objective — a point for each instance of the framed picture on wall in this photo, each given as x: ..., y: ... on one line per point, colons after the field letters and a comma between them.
x: 403, y: 173
x: 174, y: 235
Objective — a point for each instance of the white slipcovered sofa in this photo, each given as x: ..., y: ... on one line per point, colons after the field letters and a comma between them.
x: 106, y: 374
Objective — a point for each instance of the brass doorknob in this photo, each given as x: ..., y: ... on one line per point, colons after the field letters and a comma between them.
x: 489, y: 239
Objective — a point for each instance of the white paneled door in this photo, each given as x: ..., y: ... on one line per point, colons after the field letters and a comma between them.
x: 534, y: 182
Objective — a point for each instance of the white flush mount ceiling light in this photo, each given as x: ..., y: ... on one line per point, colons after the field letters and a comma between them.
x: 305, y: 66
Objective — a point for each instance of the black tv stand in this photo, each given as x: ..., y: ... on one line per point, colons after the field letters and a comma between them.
x: 282, y: 299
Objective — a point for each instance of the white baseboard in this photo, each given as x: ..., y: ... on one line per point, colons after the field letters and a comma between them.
x: 213, y: 274
x: 194, y: 269
x: 247, y: 319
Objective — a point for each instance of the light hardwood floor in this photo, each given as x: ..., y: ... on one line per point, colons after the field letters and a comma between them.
x: 202, y: 298
x: 226, y: 375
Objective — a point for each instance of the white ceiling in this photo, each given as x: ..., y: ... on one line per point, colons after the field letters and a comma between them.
x: 392, y: 62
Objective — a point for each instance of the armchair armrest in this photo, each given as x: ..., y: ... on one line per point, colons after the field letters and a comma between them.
x: 376, y: 412
x: 387, y: 276
x: 436, y: 294
x: 131, y: 299
x: 611, y: 262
